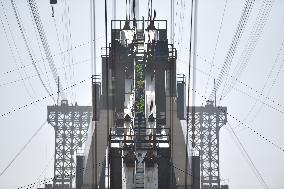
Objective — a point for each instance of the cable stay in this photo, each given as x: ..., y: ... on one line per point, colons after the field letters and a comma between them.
x: 13, y: 46
x: 247, y: 94
x: 68, y: 35
x: 23, y: 148
x: 41, y: 99
x: 270, y: 87
x: 62, y: 55
x: 25, y: 38
x: 247, y: 157
x: 254, y: 90
x: 254, y: 36
x: 28, y: 77
x: 234, y: 45
x: 33, y: 6
x: 212, y: 62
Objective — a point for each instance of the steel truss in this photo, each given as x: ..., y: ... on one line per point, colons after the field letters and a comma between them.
x: 71, y: 125
x: 204, y: 126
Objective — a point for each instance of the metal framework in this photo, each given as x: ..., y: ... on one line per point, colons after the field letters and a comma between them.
x: 71, y: 125
x: 204, y: 124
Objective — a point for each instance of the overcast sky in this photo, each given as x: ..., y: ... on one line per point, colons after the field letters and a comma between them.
x: 256, y: 99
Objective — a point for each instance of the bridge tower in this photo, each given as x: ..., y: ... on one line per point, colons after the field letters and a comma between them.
x: 205, y: 123
x: 70, y: 123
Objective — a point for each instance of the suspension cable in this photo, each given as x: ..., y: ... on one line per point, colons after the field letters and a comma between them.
x: 188, y: 93
x: 212, y: 62
x: 21, y: 27
x: 254, y: 36
x: 33, y: 6
x: 22, y: 149
x: 17, y: 53
x: 234, y: 45
x: 247, y: 157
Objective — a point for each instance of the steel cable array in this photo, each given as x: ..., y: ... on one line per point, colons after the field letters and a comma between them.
x: 234, y: 45
x: 67, y: 39
x: 37, y: 19
x: 270, y: 86
x: 245, y: 93
x: 212, y: 62
x: 40, y: 48
x: 23, y: 148
x: 254, y: 36
x: 36, y: 75
x: 17, y: 52
x: 280, y: 68
x: 28, y: 65
x: 70, y: 45
x: 41, y: 99
x: 260, y: 93
x: 25, y: 38
x: 280, y: 107
x: 13, y: 70
x: 62, y: 55
x: 247, y: 157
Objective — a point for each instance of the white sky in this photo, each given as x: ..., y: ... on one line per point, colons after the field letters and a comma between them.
x: 18, y: 127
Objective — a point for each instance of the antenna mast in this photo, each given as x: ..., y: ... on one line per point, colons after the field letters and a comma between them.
x: 58, y: 90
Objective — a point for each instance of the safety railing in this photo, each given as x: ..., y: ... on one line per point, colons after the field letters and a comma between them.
x: 139, y: 135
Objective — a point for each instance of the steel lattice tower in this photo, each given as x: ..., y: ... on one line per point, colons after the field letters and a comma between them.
x: 204, y: 124
x: 71, y: 125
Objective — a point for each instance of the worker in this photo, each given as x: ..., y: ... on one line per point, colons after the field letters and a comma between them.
x: 52, y: 11
x: 52, y: 2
